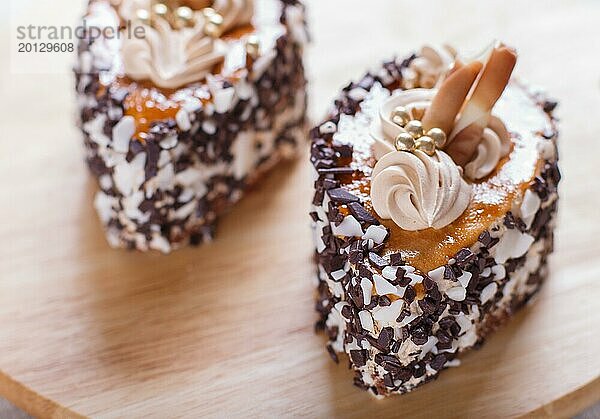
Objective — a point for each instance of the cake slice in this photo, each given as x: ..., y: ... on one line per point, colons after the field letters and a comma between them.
x: 183, y: 105
x: 434, y: 210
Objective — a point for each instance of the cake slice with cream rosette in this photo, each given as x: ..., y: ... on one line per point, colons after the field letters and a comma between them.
x: 188, y: 106
x: 434, y: 206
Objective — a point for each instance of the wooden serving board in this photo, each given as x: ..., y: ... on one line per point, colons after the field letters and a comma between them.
x: 226, y: 330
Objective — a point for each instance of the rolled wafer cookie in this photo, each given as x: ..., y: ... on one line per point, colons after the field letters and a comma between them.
x: 475, y: 115
x: 450, y: 98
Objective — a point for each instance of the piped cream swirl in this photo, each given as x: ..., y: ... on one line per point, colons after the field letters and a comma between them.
x: 171, y: 58
x: 417, y: 191
x: 495, y: 144
x: 432, y: 64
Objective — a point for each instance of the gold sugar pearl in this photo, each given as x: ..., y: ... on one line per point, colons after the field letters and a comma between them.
x: 405, y: 142
x: 400, y: 116
x: 214, y: 23
x: 185, y: 13
x: 212, y: 30
x: 160, y: 9
x: 208, y: 12
x: 253, y: 46
x: 143, y: 15
x: 438, y: 136
x: 216, y: 19
x: 426, y: 144
x: 414, y: 128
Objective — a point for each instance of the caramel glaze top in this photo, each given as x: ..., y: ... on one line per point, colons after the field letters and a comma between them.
x: 492, y: 197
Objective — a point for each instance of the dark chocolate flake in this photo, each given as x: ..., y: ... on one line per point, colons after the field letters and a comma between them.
x: 356, y: 294
x: 361, y: 214
x: 428, y: 305
x: 347, y: 312
x: 550, y: 105
x: 464, y: 257
x: 324, y: 163
x: 396, y: 260
x: 389, y: 362
x: 443, y: 337
x: 336, y: 171
x: 385, y: 338
x: 438, y: 362
x: 330, y: 183
x: 341, y: 196
x: 343, y: 150
x: 403, y: 374
x: 388, y: 380
x: 485, y: 238
x: 428, y: 283
x: 358, y: 357
x: 384, y: 301
x: 511, y: 222
x: 419, y: 370
x: 409, y: 294
x: 364, y: 272
x: 455, y: 329
x: 355, y: 256
x: 318, y: 198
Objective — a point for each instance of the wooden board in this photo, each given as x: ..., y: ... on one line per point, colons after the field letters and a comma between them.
x: 227, y: 329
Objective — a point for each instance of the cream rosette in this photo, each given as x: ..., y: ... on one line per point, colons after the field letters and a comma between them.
x: 171, y: 58
x: 418, y: 191
x: 494, y: 145
x: 432, y: 64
